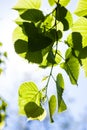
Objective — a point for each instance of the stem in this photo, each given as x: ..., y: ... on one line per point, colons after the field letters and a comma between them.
x: 55, y: 25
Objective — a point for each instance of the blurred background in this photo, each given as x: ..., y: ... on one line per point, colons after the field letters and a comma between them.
x: 16, y: 71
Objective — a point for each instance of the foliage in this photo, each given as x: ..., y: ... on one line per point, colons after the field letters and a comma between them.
x: 3, y: 106
x: 37, y: 38
x: 3, y: 57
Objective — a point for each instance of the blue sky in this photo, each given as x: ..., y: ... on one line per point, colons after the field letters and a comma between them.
x: 18, y: 70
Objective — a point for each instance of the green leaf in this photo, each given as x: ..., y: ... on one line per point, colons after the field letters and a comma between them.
x: 28, y: 92
x: 1, y: 70
x: 60, y: 89
x: 60, y: 81
x: 0, y: 44
x: 27, y: 4
x: 5, y: 54
x: 54, y: 34
x: 48, y: 22
x: 21, y: 46
x: 34, y: 112
x: 33, y: 15
x: 74, y: 40
x: 52, y: 2
x: 20, y: 42
x: 84, y: 65
x: 34, y: 57
x: 19, y: 20
x: 52, y: 106
x: 62, y: 2
x: 83, y: 53
x: 72, y: 68
x: 18, y: 33
x: 36, y: 41
x: 62, y: 107
x: 81, y: 9
x: 64, y: 16
x: 50, y: 58
x: 81, y: 26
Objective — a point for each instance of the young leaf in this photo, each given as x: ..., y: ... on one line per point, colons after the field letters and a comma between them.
x: 28, y: 92
x: 81, y: 9
x: 60, y: 89
x: 52, y: 106
x: 34, y: 112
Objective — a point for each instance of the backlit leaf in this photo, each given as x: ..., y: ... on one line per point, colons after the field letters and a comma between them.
x: 20, y: 42
x: 50, y: 58
x: 62, y: 2
x: 52, y: 2
x: 34, y: 112
x: 27, y: 4
x: 33, y: 15
x: 83, y: 53
x: 64, y: 16
x: 34, y: 57
x: 60, y: 89
x: 80, y: 26
x: 28, y: 92
x: 18, y: 34
x: 72, y: 68
x: 84, y: 64
x: 74, y: 40
x: 81, y: 9
x: 36, y: 41
x: 52, y: 106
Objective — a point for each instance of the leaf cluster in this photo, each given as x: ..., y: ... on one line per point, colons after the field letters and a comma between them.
x: 37, y: 38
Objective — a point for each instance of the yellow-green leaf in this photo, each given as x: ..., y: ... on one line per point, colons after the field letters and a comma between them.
x: 81, y: 26
x: 52, y: 106
x: 63, y: 2
x: 72, y: 68
x: 34, y: 112
x: 28, y: 92
x: 81, y: 9
x: 27, y: 4
x: 60, y: 88
x: 84, y: 63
